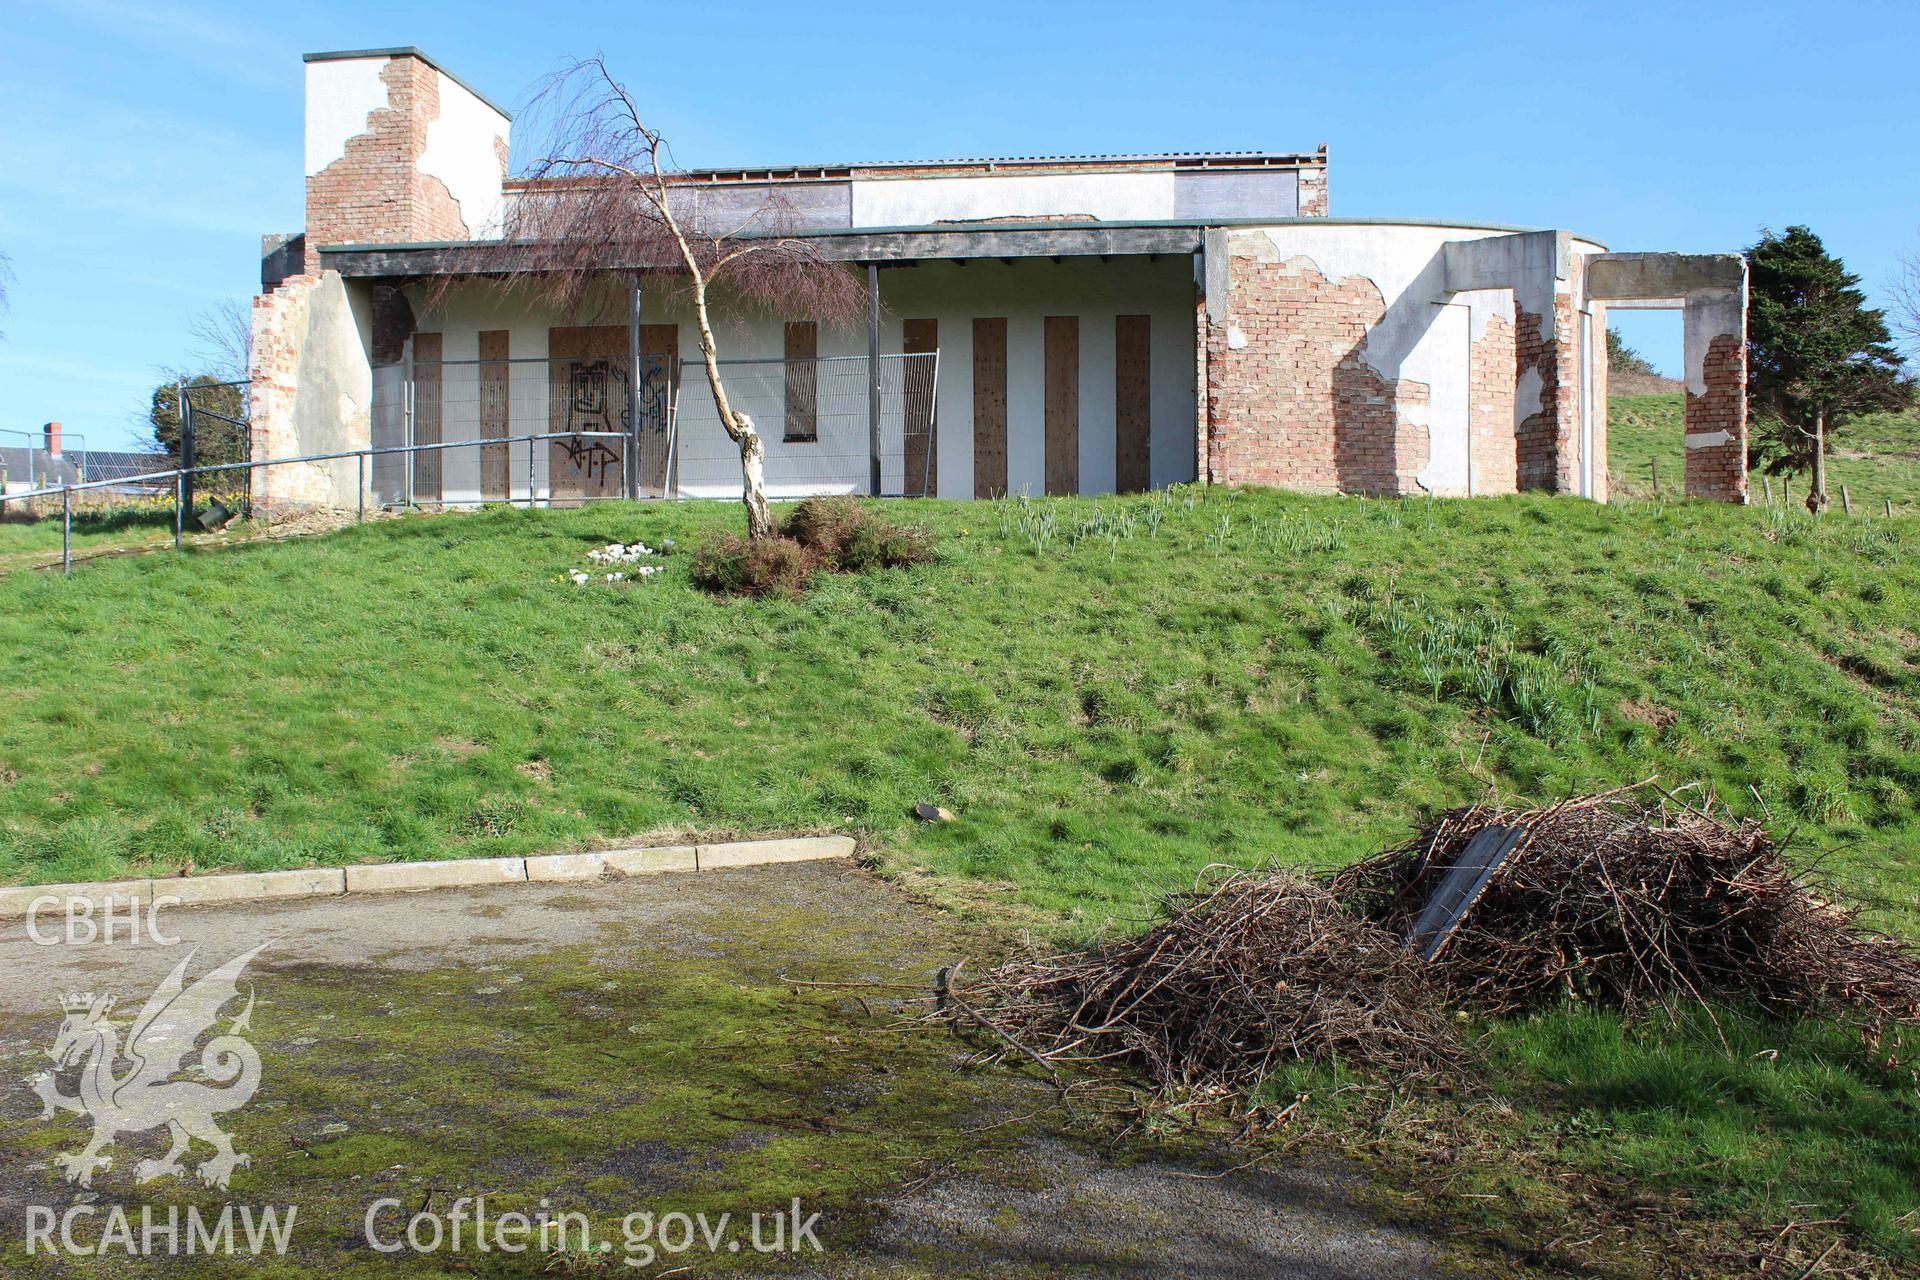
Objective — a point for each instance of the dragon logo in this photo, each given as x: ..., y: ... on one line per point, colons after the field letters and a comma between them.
x: 143, y: 1094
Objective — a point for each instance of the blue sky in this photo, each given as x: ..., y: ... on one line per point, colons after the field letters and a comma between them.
x: 145, y: 146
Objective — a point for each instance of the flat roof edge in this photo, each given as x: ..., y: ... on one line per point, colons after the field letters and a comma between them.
x: 951, y: 227
x: 406, y: 51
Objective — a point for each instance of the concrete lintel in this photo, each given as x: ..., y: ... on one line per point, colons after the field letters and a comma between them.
x: 1518, y: 261
x: 1674, y: 303
x: 1613, y: 276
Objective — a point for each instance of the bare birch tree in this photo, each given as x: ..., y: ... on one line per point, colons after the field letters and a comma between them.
x: 604, y: 203
x: 223, y: 340
x: 1906, y: 301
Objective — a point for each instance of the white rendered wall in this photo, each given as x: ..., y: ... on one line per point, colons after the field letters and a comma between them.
x: 341, y: 93
x: 1024, y: 293
x: 904, y: 202
x: 465, y: 149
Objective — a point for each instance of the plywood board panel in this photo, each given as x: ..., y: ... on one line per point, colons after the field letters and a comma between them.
x: 989, y: 408
x: 1132, y: 403
x: 1063, y: 404
x: 495, y: 414
x: 587, y: 391
x: 427, y: 349
x: 920, y: 337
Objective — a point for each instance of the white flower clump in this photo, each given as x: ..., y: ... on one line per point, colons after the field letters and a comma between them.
x: 618, y: 553
x: 621, y: 553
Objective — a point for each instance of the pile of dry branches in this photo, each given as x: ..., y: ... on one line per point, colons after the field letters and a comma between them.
x: 1628, y: 899
x: 1247, y: 972
x: 1631, y: 899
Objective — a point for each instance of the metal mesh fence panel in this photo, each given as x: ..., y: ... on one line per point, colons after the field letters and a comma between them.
x: 814, y: 418
x: 812, y: 414
x: 464, y: 404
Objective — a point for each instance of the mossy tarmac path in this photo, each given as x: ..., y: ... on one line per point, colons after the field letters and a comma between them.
x: 672, y: 1044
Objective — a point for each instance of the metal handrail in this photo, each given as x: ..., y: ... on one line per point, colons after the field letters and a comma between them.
x: 176, y: 472
x: 179, y: 474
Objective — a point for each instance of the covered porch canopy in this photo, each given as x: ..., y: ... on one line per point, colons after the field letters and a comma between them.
x: 1108, y: 308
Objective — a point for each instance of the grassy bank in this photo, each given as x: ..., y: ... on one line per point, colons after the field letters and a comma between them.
x: 1877, y: 457
x: 35, y: 544
x: 1184, y: 679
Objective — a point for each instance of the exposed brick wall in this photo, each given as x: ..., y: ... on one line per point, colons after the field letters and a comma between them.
x: 375, y: 193
x: 279, y: 332
x: 1720, y: 471
x: 1490, y: 408
x: 1291, y: 400
x: 1313, y: 192
x: 302, y: 384
x: 393, y: 324
x: 1546, y: 440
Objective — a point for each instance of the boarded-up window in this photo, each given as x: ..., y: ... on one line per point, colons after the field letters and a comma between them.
x: 494, y: 413
x: 427, y: 348
x: 586, y: 394
x: 1063, y: 404
x: 1132, y: 403
x: 803, y: 381
x: 990, y: 408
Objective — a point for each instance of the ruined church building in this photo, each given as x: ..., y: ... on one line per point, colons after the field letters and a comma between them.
x: 1093, y: 324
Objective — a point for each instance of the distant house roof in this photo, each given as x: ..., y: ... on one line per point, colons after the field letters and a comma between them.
x: 34, y: 466
x: 109, y: 464
x: 38, y: 469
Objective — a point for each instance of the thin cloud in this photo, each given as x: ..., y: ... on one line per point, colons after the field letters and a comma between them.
x: 147, y: 167
x: 233, y: 48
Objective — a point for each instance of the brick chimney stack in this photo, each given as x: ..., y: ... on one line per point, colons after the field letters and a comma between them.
x: 53, y: 439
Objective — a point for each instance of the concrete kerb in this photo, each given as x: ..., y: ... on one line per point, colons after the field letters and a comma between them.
x: 389, y: 877
x: 753, y: 853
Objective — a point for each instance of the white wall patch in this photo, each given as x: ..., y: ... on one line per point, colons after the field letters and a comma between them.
x: 460, y: 152
x: 341, y: 94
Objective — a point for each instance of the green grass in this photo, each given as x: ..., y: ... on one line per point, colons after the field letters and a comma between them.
x: 1238, y: 676
x: 1110, y: 693
x: 1876, y: 457
x: 1749, y: 1122
x: 36, y: 544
